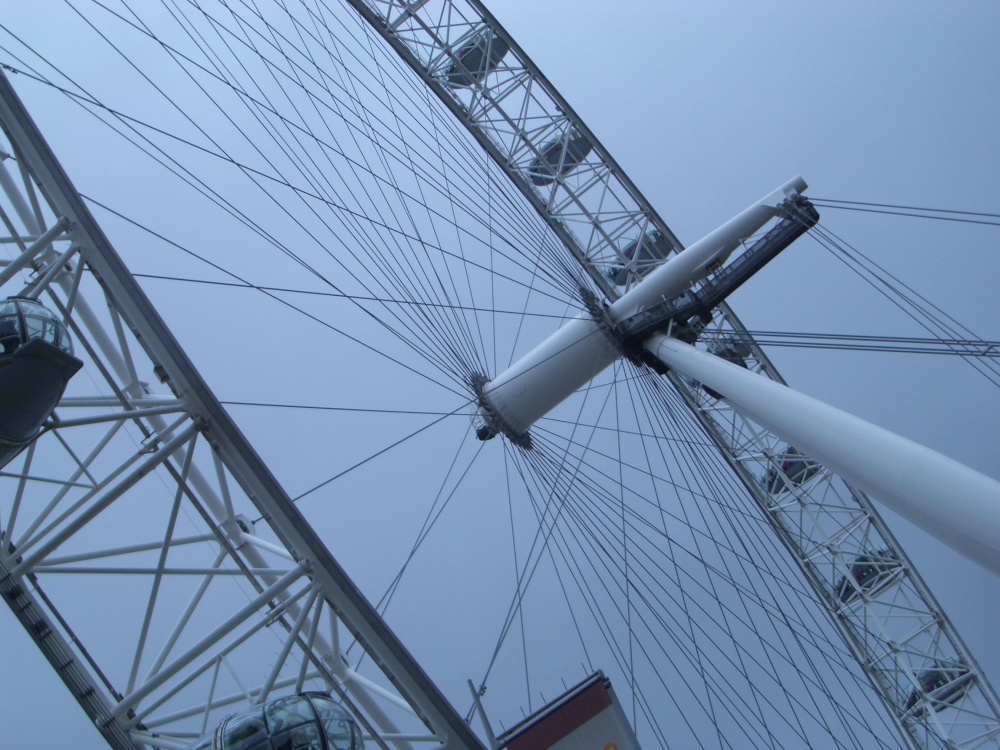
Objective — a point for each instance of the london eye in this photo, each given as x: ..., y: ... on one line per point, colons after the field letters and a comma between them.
x: 351, y: 270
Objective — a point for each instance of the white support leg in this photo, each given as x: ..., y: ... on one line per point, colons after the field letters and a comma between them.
x: 954, y: 503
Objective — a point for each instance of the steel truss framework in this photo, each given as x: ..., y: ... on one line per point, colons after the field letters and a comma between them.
x: 890, y: 621
x: 168, y: 461
x: 166, y: 458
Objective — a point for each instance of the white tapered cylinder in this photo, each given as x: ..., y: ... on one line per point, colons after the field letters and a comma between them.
x: 949, y: 500
x: 582, y: 349
x: 550, y: 372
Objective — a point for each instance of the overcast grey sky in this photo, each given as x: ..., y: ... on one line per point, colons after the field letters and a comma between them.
x: 707, y: 107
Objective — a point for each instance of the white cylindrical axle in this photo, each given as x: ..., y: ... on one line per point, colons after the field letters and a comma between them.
x: 550, y: 372
x: 949, y: 500
x: 580, y: 350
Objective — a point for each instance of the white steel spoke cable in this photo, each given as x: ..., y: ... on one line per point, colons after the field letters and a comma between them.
x: 964, y: 347
x: 449, y: 290
x: 275, y: 293
x: 376, y: 454
x: 716, y: 501
x: 358, y: 237
x: 545, y: 551
x: 453, y: 198
x: 738, y: 516
x: 537, y: 483
x: 960, y: 347
x: 985, y: 366
x: 477, y: 309
x: 881, y: 278
x: 434, y: 513
x: 461, y: 144
x: 396, y: 251
x: 661, y: 403
x: 180, y: 109
x: 608, y: 571
x: 277, y: 298
x: 598, y: 616
x: 573, y: 570
x: 245, y: 284
x: 607, y: 545
x: 913, y: 212
x: 413, y: 134
x: 672, y: 420
x: 927, y: 315
x: 788, y: 584
x: 416, y: 134
x: 747, y: 517
x: 643, y: 532
x: 784, y: 585
x: 671, y: 555
x: 517, y: 599
x: 529, y: 483
x: 586, y: 510
x: 323, y: 407
x: 427, y: 277
x: 629, y: 626
x: 408, y: 341
x: 435, y: 131
x: 620, y: 452
x: 220, y: 201
x: 515, y: 608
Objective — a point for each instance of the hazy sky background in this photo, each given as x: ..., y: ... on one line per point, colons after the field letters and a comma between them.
x: 707, y: 107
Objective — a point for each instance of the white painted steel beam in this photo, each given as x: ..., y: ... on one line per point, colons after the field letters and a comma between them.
x: 949, y: 500
x: 211, y: 421
x: 38, y: 246
x: 49, y: 543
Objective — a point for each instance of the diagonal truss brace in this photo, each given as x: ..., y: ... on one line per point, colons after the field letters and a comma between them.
x: 215, y: 426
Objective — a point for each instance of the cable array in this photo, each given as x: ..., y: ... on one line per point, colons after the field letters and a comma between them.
x: 299, y: 131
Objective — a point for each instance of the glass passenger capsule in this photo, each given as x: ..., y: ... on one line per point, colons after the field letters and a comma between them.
x: 796, y: 469
x: 23, y: 320
x: 474, y: 60
x: 732, y: 350
x: 308, y: 721
x: 36, y: 363
x: 641, y: 255
x: 866, y: 573
x: 941, y: 686
x: 559, y: 156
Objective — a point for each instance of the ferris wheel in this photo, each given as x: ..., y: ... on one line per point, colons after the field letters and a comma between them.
x: 391, y: 215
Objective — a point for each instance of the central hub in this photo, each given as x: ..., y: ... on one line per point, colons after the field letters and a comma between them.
x: 514, y: 400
